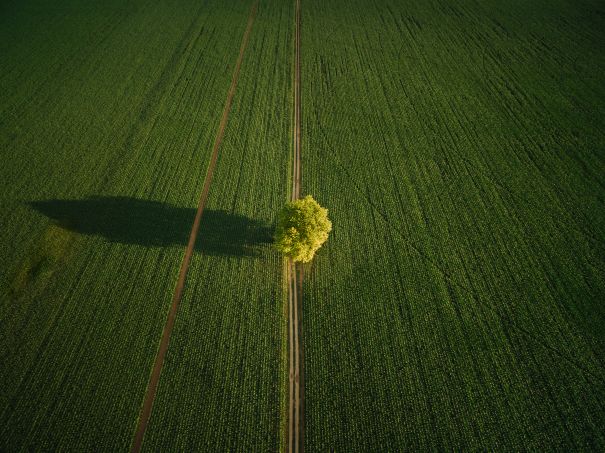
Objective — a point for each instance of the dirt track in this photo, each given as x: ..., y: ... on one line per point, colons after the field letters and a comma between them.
x: 178, y: 292
x: 295, y: 279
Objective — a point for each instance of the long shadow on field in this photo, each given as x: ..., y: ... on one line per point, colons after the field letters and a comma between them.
x: 154, y: 224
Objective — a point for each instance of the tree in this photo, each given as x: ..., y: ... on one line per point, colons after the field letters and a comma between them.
x: 302, y: 228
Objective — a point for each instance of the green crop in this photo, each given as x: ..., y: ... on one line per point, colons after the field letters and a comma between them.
x: 460, y: 148
x: 108, y: 115
x: 222, y: 386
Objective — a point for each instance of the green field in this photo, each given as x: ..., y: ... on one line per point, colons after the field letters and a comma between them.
x: 108, y: 118
x: 220, y: 388
x: 460, y: 150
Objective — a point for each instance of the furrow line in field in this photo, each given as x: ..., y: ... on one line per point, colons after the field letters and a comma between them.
x: 178, y: 293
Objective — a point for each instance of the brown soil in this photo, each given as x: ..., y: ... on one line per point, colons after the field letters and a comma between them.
x: 178, y: 292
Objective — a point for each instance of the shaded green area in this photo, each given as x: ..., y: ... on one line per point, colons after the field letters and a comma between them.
x: 153, y: 224
x: 108, y: 112
x: 459, y: 148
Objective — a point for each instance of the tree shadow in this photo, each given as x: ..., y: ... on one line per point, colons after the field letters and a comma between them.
x: 154, y: 224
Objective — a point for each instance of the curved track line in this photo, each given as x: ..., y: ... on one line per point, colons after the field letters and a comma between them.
x: 295, y: 279
x: 178, y: 292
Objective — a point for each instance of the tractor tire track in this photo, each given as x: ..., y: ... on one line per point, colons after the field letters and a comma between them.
x: 295, y: 278
x: 154, y: 379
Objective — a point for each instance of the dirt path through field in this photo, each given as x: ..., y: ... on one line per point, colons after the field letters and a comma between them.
x: 178, y: 292
x: 295, y: 279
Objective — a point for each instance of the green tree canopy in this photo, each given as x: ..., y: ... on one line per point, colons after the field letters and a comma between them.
x: 302, y: 228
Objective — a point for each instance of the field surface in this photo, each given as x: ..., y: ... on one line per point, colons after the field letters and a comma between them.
x: 460, y: 150
x: 221, y: 384
x: 108, y: 116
